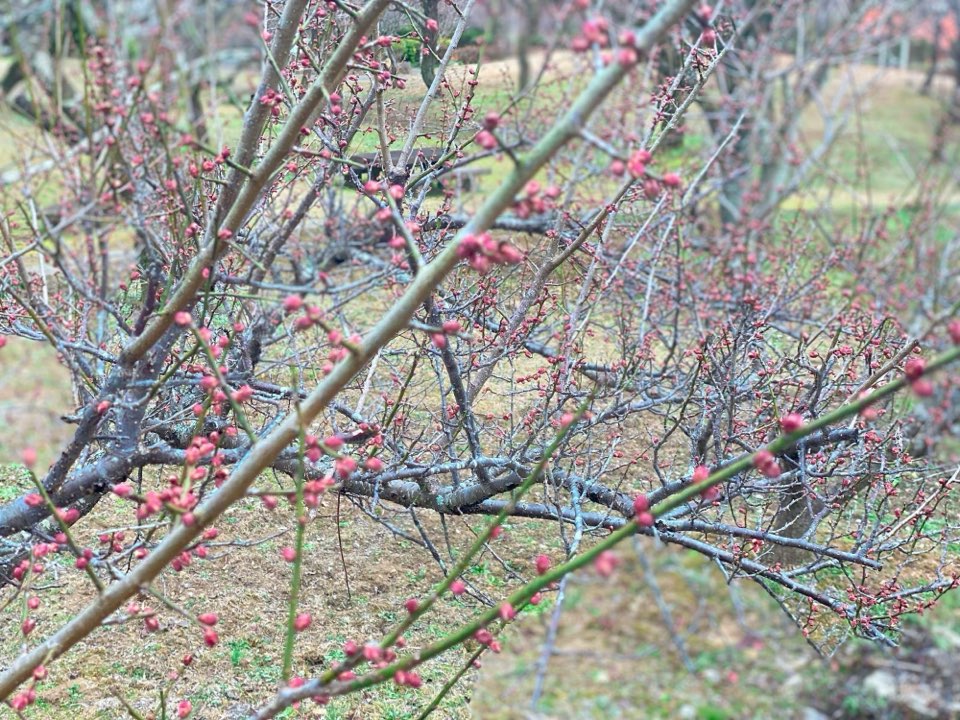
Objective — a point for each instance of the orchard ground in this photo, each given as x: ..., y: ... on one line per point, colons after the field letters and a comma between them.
x: 614, y: 656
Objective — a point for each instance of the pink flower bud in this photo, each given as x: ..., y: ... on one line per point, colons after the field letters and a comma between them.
x: 914, y: 368
x: 711, y: 493
x: 791, y: 422
x: 345, y: 466
x: 333, y: 442
x: 28, y: 456
x: 242, y: 394
x: 671, y: 180
x: 605, y: 563
x: 509, y: 254
x: 761, y: 458
x: 486, y: 140
x: 302, y: 621
x: 953, y: 329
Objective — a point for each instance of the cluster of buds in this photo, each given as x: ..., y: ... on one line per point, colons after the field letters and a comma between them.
x: 953, y: 329
x: 636, y: 166
x: 449, y: 327
x: 22, y: 568
x: 637, y: 163
x: 34, y: 565
x: 311, y: 313
x: 482, y: 252
x: 535, y: 202
x: 641, y: 511
x: 154, y: 502
x: 592, y: 32
x: 485, y: 138
x: 791, y: 422
x: 395, y: 191
x: 21, y: 701
x: 606, y: 563
x: 312, y: 490
x: 914, y: 370
x: 485, y: 638
x: 766, y: 463
x: 708, y: 38
x: 272, y: 99
x: 317, y: 448
x: 65, y: 515
x: 377, y: 656
x: 336, y: 108
x: 114, y: 540
x: 596, y: 32
x: 407, y: 678
x: 206, y: 166
x: 700, y: 474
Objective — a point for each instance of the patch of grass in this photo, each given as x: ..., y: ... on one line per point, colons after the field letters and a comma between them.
x: 14, y: 481
x: 238, y: 649
x: 74, y: 696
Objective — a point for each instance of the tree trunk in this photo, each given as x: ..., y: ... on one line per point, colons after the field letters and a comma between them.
x: 531, y: 22
x: 429, y: 62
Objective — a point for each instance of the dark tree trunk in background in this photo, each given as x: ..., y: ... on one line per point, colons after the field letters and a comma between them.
x: 429, y: 63
x: 37, y: 50
x: 938, y: 22
x: 531, y: 22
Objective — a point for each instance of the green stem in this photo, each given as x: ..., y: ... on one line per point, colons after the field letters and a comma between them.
x: 297, y: 561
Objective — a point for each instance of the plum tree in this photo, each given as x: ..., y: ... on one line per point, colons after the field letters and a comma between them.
x: 615, y: 337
